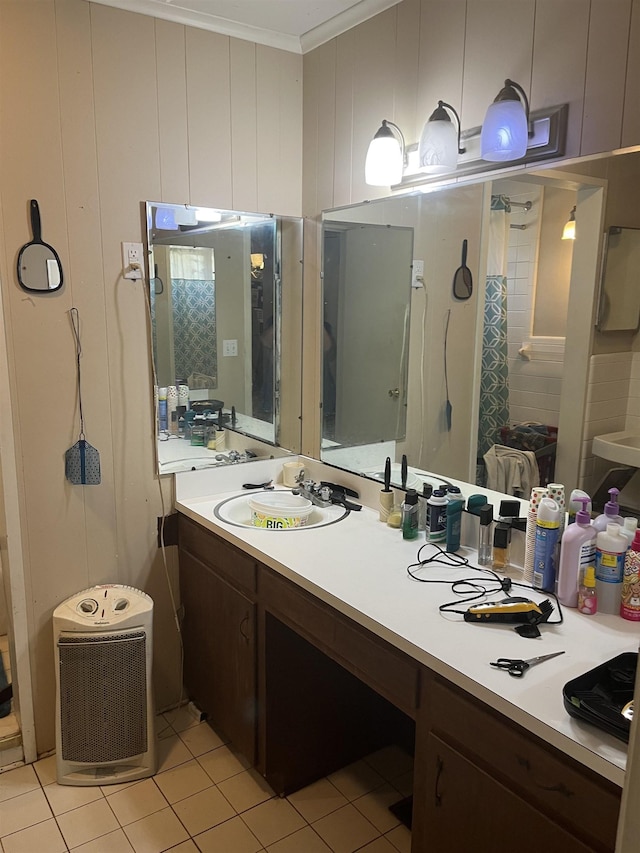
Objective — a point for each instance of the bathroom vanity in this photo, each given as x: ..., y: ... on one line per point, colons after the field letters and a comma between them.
x: 310, y: 648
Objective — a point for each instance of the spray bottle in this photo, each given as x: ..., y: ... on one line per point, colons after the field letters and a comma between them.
x: 577, y: 552
x: 611, y: 514
x: 544, y: 554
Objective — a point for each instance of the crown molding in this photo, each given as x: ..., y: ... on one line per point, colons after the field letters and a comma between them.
x: 357, y: 14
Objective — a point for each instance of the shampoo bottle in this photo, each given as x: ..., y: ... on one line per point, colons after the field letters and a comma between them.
x: 611, y: 547
x: 544, y: 554
x: 630, y: 605
x: 577, y: 552
x: 611, y: 514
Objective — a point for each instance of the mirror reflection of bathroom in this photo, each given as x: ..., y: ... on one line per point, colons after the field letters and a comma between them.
x: 524, y: 330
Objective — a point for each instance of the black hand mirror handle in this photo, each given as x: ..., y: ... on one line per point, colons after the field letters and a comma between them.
x: 36, y: 227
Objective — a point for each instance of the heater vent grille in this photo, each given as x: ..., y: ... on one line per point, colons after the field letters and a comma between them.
x: 103, y: 696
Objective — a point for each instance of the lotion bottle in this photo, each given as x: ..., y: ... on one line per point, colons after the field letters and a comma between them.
x: 577, y: 552
x: 611, y: 547
x: 611, y: 514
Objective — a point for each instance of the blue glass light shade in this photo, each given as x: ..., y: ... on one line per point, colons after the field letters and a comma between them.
x: 505, y: 132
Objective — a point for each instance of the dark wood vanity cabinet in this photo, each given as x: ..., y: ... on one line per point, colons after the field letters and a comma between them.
x: 217, y: 589
x: 300, y: 689
x: 479, y: 776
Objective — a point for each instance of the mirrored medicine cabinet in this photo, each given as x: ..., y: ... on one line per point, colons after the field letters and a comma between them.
x: 619, y: 308
x: 226, y: 318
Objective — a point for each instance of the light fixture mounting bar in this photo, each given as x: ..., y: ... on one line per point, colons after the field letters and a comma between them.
x: 546, y: 142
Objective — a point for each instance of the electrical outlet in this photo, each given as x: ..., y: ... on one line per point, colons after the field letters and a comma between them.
x: 132, y: 260
x: 417, y: 273
x: 229, y: 348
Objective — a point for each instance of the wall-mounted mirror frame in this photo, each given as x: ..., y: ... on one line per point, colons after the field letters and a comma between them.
x: 619, y: 305
x: 226, y: 315
x: 430, y: 446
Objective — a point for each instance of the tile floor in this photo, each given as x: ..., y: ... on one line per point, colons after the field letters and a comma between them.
x: 206, y: 798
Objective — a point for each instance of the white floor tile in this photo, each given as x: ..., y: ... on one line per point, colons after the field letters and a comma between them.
x: 204, y: 810
x: 233, y: 836
x: 317, y: 800
x: 18, y: 781
x: 345, y: 830
x: 356, y: 779
x: 201, y: 738
x: 246, y: 790
x: 46, y: 770
x: 273, y: 820
x: 112, y: 842
x: 305, y: 839
x: 64, y: 798
x: 43, y: 836
x: 23, y: 811
x: 155, y: 833
x: 222, y: 763
x: 182, y: 781
x: 136, y: 802
x: 87, y: 823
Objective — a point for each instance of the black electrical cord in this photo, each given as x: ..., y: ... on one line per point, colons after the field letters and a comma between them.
x: 473, y: 588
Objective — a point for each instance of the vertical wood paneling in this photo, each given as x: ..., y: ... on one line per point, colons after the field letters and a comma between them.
x: 344, y: 83
x: 609, y: 26
x: 442, y: 27
x: 326, y: 127
x: 86, y: 288
x: 498, y: 44
x: 310, y: 130
x: 279, y: 123
x: 559, y: 61
x: 631, y: 116
x: 373, y: 92
x: 209, y: 117
x: 245, y: 129
x: 171, y: 83
x: 407, y: 52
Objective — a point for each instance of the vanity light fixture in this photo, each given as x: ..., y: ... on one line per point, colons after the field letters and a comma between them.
x: 569, y: 230
x: 440, y: 142
x: 385, y: 157
x: 505, y: 132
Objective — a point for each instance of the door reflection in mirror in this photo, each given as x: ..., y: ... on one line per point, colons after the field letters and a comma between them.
x: 367, y: 282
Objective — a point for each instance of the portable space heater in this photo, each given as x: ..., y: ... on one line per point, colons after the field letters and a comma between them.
x: 104, y: 709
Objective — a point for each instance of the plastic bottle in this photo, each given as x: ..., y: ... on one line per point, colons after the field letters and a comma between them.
x: 611, y: 547
x: 587, y: 594
x: 576, y: 504
x: 423, y: 506
x: 162, y: 410
x: 611, y: 514
x: 410, y: 515
x: 484, y: 535
x: 501, y: 542
x: 629, y: 528
x: 454, y: 521
x: 544, y: 554
x: 437, y: 524
x: 577, y: 553
x: 630, y: 601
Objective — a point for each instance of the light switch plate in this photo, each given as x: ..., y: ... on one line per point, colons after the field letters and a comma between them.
x: 229, y: 348
x: 417, y: 273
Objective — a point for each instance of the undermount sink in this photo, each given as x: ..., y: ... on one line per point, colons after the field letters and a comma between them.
x: 236, y: 511
x: 621, y: 447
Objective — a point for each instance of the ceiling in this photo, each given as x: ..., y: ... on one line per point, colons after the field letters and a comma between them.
x: 294, y: 25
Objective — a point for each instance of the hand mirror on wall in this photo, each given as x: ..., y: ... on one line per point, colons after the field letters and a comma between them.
x: 39, y: 268
x: 462, y: 278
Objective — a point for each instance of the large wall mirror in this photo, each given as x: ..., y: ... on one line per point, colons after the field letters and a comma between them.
x: 619, y: 307
x: 475, y: 369
x: 226, y: 309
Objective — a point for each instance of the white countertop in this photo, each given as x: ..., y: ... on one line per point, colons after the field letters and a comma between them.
x: 359, y: 567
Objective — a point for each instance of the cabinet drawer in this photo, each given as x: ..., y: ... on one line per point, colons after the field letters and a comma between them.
x: 376, y: 663
x: 229, y: 562
x: 555, y: 783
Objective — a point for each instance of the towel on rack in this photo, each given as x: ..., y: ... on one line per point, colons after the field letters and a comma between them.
x: 512, y: 471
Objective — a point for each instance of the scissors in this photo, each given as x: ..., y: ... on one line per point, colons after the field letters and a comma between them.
x: 517, y: 668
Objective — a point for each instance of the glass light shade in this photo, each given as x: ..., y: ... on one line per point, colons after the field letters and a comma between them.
x: 505, y: 132
x: 438, y: 149
x: 384, y: 164
x: 569, y: 231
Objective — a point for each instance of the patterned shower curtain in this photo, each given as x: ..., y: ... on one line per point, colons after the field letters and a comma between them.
x: 494, y: 383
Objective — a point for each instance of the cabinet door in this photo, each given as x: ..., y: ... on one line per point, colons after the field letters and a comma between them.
x: 466, y: 809
x: 219, y: 652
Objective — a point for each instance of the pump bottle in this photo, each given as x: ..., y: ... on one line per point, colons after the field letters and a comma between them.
x: 577, y: 552
x: 611, y: 547
x: 611, y: 514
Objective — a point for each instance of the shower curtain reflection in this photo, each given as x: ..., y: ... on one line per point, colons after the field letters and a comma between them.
x: 494, y: 383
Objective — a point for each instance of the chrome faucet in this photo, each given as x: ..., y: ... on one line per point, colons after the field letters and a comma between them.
x: 315, y: 492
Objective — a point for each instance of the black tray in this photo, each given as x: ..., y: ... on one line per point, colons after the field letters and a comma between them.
x: 609, y: 687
